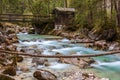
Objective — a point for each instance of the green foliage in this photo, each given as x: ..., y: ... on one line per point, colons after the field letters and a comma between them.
x: 42, y: 7
x: 94, y: 14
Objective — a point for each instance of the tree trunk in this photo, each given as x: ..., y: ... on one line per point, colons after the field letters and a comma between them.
x: 118, y: 14
x: 105, y: 11
x: 65, y: 3
x: 111, y: 9
x: 117, y: 8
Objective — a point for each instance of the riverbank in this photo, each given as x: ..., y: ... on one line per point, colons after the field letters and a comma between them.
x: 78, y: 37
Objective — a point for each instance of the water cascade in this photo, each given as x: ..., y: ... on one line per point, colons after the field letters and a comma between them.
x: 105, y: 64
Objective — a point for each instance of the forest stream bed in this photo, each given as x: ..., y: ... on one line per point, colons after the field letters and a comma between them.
x: 108, y: 66
x: 87, y: 69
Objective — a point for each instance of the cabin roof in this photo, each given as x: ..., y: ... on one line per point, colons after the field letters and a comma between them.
x: 65, y: 9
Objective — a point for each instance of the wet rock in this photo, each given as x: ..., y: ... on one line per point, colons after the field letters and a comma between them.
x: 2, y: 39
x: 11, y: 48
x: 88, y: 76
x: 2, y: 59
x: 13, y: 38
x: 46, y: 63
x: 85, y: 76
x: 102, y: 44
x: 19, y: 58
x: 10, y: 31
x: 80, y: 62
x: 31, y: 31
x: 39, y: 61
x: 10, y: 70
x: 114, y: 46
x: 5, y: 77
x: 74, y: 76
x: 89, y: 45
x: 44, y: 75
x: 89, y: 60
x: 2, y: 46
x: 25, y: 69
x: 38, y: 51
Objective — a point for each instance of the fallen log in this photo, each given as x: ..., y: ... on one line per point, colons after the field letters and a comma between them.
x: 62, y: 56
x: 82, y: 42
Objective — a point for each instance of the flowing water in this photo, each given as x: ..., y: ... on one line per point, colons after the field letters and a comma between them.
x: 108, y: 66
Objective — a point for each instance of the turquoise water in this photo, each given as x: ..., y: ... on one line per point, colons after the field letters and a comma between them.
x: 108, y: 66
x: 26, y: 36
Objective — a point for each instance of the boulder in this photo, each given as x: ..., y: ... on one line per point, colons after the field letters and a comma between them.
x: 5, y: 77
x: 80, y: 62
x: 44, y: 75
x: 19, y: 58
x: 102, y: 44
x: 10, y: 70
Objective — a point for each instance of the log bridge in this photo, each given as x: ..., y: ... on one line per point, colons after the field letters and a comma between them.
x: 62, y: 56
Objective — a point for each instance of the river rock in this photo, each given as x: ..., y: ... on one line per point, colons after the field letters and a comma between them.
x: 11, y: 48
x: 102, y: 44
x: 46, y: 63
x: 89, y: 45
x: 19, y: 58
x: 80, y: 62
x: 114, y: 46
x: 5, y: 77
x: 39, y: 61
x: 10, y: 70
x: 2, y: 59
x: 31, y: 31
x: 25, y: 69
x: 44, y: 75
x: 10, y: 31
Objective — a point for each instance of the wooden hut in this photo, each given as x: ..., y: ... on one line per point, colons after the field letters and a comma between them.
x: 63, y: 17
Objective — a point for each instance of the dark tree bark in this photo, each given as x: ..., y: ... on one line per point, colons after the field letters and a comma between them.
x: 105, y: 11
x: 111, y: 9
x: 117, y: 8
x: 119, y: 13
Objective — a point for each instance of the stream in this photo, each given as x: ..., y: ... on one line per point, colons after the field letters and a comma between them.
x: 108, y: 66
